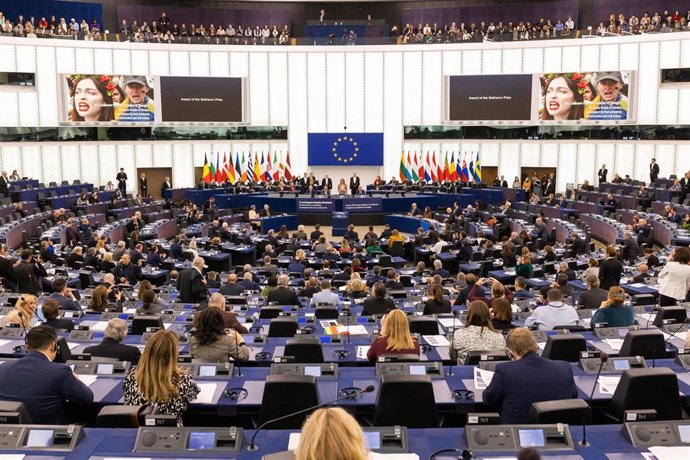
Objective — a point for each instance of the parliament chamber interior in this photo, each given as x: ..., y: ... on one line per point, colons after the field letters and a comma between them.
x: 330, y: 230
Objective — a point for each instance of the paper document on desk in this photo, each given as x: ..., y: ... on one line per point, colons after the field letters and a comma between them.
x: 670, y: 453
x: 357, y: 329
x: 4, y: 342
x: 448, y: 322
x: 608, y: 383
x: 647, y: 316
x: 87, y: 379
x: 208, y: 390
x: 98, y: 326
x: 72, y: 346
x: 482, y: 378
x: 615, y: 344
x: 638, y: 285
x: 12, y: 457
x: 436, y: 340
x: 362, y: 351
x: 678, y: 335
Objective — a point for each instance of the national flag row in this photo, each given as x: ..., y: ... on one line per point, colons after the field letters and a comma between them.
x: 241, y: 166
x: 431, y: 166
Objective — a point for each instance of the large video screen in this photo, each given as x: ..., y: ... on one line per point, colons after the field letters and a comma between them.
x: 581, y: 97
x: 200, y: 99
x: 151, y: 100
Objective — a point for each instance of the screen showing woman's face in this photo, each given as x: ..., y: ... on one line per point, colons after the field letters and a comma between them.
x: 88, y: 100
x: 559, y: 99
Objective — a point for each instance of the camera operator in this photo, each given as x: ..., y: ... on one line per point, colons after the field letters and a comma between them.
x: 28, y: 273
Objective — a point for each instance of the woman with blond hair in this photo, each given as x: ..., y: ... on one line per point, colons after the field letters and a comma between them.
x: 331, y: 433
x: 395, y: 337
x: 24, y: 312
x: 613, y: 310
x: 356, y: 288
x: 158, y: 381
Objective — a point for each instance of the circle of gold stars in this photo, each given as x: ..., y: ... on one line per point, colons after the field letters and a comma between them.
x: 350, y: 158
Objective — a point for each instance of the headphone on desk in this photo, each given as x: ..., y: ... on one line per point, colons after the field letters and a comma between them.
x: 236, y: 394
x: 264, y: 356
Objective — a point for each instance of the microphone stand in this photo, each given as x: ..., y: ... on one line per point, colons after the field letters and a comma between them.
x: 253, y: 447
x: 663, y: 345
x: 604, y: 358
x: 452, y: 336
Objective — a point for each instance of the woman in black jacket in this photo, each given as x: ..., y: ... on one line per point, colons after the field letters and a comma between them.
x: 437, y: 303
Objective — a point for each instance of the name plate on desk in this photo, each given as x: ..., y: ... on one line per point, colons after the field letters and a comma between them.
x: 613, y: 365
x: 220, y: 371
x: 514, y: 438
x: 326, y: 370
x: 117, y: 368
x: 657, y: 433
x: 433, y: 369
x: 614, y: 332
x: 173, y: 439
x: 47, y: 438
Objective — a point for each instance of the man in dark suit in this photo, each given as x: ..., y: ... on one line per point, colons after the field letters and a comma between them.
x: 51, y: 313
x: 165, y: 186
x: 248, y: 282
x: 64, y: 295
x: 610, y: 270
x: 71, y: 235
x: 122, y: 181
x: 4, y: 184
x: 6, y: 269
x: 529, y: 378
x: 393, y: 282
x: 351, y: 235
x: 230, y: 320
x: 603, y: 172
x: 126, y: 271
x: 112, y: 346
x: 316, y: 234
x: 327, y: 182
x: 439, y: 270
x: 414, y: 210
x: 192, y: 284
x: 653, y: 171
x: 74, y: 257
x: 541, y: 230
x: 28, y: 273
x: 376, y: 277
x: 630, y: 249
x: 282, y: 294
x: 42, y: 385
x: 579, y: 246
x: 354, y: 183
x: 176, y: 252
x: 378, y: 303
x: 232, y: 288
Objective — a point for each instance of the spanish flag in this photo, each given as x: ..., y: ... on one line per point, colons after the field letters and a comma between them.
x: 257, y: 168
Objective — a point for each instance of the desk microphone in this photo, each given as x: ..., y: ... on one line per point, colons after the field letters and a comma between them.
x: 350, y: 395
x: 672, y: 334
x: 604, y: 358
x: 452, y: 336
x: 21, y: 317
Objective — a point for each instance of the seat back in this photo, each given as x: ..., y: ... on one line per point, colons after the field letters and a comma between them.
x: 648, y: 388
x: 648, y: 344
x: 141, y: 323
x: 397, y: 249
x: 283, y: 327
x: 304, y: 351
x: 570, y: 411
x: 270, y: 312
x: 122, y: 416
x: 326, y: 312
x: 416, y: 391
x: 667, y: 315
x: 285, y: 394
x: 424, y: 325
x: 14, y: 412
x: 565, y: 347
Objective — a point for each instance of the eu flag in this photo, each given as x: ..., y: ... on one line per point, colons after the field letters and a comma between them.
x: 345, y: 149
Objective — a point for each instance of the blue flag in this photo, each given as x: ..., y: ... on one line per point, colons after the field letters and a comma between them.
x: 345, y: 149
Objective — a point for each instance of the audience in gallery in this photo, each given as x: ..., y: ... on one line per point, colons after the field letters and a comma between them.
x: 163, y: 30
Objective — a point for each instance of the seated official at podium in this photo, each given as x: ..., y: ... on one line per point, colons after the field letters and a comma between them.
x: 414, y: 211
x: 529, y: 378
x: 395, y: 337
x: 266, y: 211
x: 42, y: 385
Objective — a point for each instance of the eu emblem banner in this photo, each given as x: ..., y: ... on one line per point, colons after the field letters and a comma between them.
x: 345, y: 149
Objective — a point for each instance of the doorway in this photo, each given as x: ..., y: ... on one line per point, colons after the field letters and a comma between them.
x: 155, y: 178
x: 489, y: 174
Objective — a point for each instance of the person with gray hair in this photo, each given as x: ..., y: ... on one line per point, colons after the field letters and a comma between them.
x: 192, y: 284
x: 269, y: 267
x: 594, y: 295
x: 217, y: 300
x: 282, y: 294
x: 119, y: 251
x: 439, y: 270
x: 112, y: 346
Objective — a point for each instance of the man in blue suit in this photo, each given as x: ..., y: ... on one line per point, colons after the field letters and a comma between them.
x: 529, y: 378
x: 42, y: 385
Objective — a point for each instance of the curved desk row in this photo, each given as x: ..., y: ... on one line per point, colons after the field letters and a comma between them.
x: 603, y: 230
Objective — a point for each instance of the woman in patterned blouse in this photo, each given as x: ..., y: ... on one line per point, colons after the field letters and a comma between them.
x: 157, y: 381
x: 478, y: 334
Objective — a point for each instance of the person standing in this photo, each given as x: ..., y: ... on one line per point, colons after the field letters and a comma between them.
x: 653, y: 171
x: 603, y: 172
x: 610, y: 270
x: 165, y: 186
x: 122, y: 181
x: 4, y: 183
x: 192, y: 284
x: 674, y: 279
x: 143, y: 186
x: 354, y: 183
